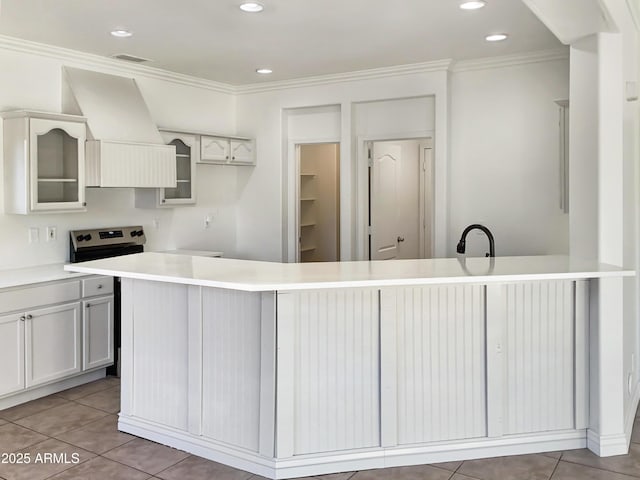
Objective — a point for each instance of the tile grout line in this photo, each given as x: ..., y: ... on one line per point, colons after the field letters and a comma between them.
x: 602, y: 469
x: 128, y: 466
x: 179, y: 461
x: 555, y: 467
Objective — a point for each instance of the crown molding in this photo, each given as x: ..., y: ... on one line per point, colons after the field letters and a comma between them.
x: 413, y: 68
x: 510, y: 60
x: 83, y: 59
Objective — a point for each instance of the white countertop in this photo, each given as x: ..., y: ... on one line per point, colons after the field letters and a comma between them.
x: 18, y: 277
x: 194, y: 253
x: 257, y: 276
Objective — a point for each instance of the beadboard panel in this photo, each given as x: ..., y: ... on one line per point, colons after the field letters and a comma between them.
x: 116, y: 164
x: 539, y: 356
x: 160, y: 353
x: 231, y: 336
x: 440, y: 363
x: 336, y: 370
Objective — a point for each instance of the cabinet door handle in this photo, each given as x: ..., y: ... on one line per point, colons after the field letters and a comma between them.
x: 227, y: 157
x: 99, y: 286
x: 23, y: 318
x: 29, y: 317
x: 233, y: 158
x: 400, y: 239
x: 88, y: 305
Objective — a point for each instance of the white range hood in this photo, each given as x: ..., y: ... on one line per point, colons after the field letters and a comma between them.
x: 124, y: 147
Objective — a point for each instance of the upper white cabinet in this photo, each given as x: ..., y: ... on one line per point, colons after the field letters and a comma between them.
x: 187, y: 154
x: 44, y: 162
x: 227, y: 151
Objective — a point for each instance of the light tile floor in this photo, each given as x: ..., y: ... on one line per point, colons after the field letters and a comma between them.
x: 81, y: 423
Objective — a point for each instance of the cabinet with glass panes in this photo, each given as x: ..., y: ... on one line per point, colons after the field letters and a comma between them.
x: 43, y: 162
x: 184, y: 193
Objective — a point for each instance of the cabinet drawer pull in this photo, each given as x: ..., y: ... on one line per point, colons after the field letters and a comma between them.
x: 99, y: 286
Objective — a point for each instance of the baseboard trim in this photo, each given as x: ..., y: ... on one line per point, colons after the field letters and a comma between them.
x: 363, y: 459
x: 23, y: 396
x: 607, y: 445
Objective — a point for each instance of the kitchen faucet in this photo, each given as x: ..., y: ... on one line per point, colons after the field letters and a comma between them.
x: 462, y: 243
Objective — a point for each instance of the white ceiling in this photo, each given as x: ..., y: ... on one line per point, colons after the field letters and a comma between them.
x: 213, y: 39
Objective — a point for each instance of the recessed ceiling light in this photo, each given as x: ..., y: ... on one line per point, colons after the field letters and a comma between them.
x: 121, y: 33
x: 475, y: 5
x: 264, y: 71
x: 496, y: 37
x: 251, y: 7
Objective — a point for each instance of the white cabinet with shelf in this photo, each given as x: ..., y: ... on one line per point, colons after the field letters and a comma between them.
x: 44, y: 162
x: 97, y: 326
x: 11, y: 354
x: 97, y: 322
x: 53, y: 336
x: 227, y: 150
x: 52, y: 346
x: 187, y: 154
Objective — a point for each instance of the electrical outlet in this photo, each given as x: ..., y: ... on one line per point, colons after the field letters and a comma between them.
x: 207, y: 221
x: 156, y: 223
x: 34, y: 234
x: 52, y: 234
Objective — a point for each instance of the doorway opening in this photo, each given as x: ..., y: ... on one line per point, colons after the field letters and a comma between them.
x: 318, y: 202
x: 400, y: 199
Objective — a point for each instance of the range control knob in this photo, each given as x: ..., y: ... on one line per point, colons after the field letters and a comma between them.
x: 140, y: 233
x: 79, y: 238
x: 87, y: 237
x: 133, y: 233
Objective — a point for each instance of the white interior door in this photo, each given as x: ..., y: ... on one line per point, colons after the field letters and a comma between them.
x: 399, y: 200
x: 384, y: 200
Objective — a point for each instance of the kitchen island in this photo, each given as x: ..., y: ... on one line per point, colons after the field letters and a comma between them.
x: 290, y: 370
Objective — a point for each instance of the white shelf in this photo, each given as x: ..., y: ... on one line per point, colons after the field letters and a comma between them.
x: 307, y: 249
x: 57, y: 180
x: 183, y: 181
x: 183, y: 155
x: 307, y: 174
x: 307, y: 224
x: 310, y: 199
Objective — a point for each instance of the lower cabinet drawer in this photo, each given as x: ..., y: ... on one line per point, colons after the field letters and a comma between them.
x: 30, y: 297
x: 97, y: 286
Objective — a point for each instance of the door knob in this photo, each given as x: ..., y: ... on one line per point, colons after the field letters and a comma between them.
x: 400, y: 239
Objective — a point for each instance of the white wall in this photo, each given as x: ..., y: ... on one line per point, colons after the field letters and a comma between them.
x: 629, y: 149
x: 31, y: 81
x: 262, y: 114
x: 504, y: 167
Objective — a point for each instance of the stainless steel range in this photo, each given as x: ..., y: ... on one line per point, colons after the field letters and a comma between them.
x: 97, y: 243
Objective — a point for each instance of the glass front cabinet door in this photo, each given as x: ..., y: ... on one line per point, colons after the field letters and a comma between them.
x: 44, y: 162
x: 57, y: 165
x: 186, y: 150
x: 184, y: 193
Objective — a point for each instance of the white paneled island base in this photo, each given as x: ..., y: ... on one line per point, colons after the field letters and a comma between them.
x: 321, y: 376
